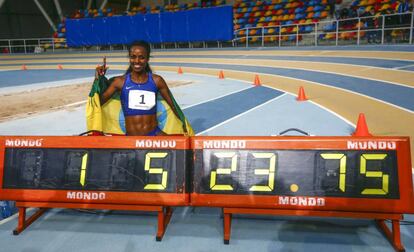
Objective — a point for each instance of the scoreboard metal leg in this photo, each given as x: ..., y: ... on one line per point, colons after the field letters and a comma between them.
x: 164, y: 212
x: 164, y: 217
x: 227, y: 227
x: 394, y: 235
x: 23, y: 223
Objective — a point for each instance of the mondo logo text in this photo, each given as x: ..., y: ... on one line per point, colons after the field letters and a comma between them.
x: 224, y: 144
x: 86, y: 195
x: 155, y: 144
x: 24, y: 142
x: 301, y: 201
x: 371, y: 145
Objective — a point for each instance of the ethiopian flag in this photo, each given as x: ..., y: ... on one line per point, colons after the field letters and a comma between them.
x: 109, y: 117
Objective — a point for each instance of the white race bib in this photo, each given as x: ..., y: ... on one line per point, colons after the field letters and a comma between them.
x: 141, y: 99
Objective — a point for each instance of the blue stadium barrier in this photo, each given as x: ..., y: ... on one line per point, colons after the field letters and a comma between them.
x: 6, y: 209
x: 203, y: 24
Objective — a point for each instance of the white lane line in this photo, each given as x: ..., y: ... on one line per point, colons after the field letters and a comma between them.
x: 215, y: 98
x: 325, y: 108
x: 326, y: 85
x: 347, y: 90
x: 306, y: 69
x: 36, y: 113
x: 189, y: 106
x: 207, y: 75
x: 366, y: 67
x: 401, y: 67
x: 70, y: 105
x: 241, y: 114
x: 334, y: 113
x: 317, y: 104
x: 318, y: 53
x: 283, y: 91
x: 14, y: 216
x: 41, y: 85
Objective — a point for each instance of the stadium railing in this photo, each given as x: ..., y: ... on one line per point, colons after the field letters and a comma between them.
x: 385, y: 29
x: 381, y: 29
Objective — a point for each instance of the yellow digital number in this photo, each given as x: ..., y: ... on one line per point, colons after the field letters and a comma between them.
x: 342, y: 167
x: 269, y: 172
x: 374, y: 174
x: 155, y: 170
x: 83, y: 169
x: 227, y: 170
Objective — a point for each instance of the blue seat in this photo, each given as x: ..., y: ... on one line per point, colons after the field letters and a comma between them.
x: 309, y: 28
x: 317, y: 8
x: 355, y: 3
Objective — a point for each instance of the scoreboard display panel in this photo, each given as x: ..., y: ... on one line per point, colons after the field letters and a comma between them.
x: 123, y: 170
x: 371, y: 174
x: 357, y: 177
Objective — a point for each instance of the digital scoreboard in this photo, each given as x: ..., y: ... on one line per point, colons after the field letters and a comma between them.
x: 370, y: 174
x: 356, y: 177
x: 124, y: 170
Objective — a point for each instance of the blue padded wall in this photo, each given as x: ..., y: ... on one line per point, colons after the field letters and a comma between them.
x: 203, y: 24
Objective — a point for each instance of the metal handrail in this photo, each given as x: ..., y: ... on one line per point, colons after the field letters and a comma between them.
x: 383, y: 27
x: 28, y: 45
x: 325, y: 21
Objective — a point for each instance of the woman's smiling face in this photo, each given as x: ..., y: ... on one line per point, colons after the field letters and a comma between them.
x: 138, y: 59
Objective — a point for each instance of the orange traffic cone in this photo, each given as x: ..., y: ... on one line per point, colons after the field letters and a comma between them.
x: 362, y: 127
x: 24, y: 67
x: 221, y: 74
x: 257, y: 80
x: 301, y: 95
x: 60, y: 67
x: 180, y: 71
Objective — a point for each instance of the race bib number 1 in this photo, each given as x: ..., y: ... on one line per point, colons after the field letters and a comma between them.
x: 141, y: 99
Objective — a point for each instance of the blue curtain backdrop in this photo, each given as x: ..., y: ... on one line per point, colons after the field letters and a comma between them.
x: 204, y: 24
